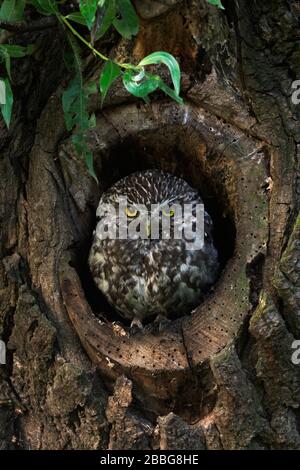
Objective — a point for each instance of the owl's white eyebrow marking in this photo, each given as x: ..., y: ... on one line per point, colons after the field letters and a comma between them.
x: 171, y: 199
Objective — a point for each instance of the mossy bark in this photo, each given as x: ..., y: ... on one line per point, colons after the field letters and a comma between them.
x: 238, y: 390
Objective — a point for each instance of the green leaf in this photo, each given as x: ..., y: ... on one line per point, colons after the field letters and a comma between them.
x: 6, y: 107
x: 4, y: 56
x: 142, y: 88
x: 12, y: 10
x: 75, y: 103
x: 108, y: 18
x: 2, y: 91
x: 15, y: 50
x: 75, y: 97
x: 77, y: 17
x: 148, y: 83
x: 7, y: 51
x: 45, y: 7
x: 217, y: 3
x: 110, y: 72
x: 68, y: 98
x: 168, y: 60
x: 75, y: 87
x: 89, y: 159
x: 88, y: 10
x: 168, y: 91
x: 75, y: 100
x: 128, y: 24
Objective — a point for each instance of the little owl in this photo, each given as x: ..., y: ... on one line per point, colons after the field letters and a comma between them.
x: 147, y: 276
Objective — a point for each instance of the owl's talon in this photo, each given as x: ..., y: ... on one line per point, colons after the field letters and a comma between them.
x: 136, y: 323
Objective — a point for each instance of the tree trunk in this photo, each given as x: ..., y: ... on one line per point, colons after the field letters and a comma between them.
x: 76, y: 376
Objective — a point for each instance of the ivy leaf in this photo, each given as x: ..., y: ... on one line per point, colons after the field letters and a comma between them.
x: 140, y: 88
x: 109, y: 15
x: 12, y: 10
x: 217, y: 3
x: 110, y: 73
x: 168, y: 60
x: 77, y: 17
x: 128, y: 24
x: 45, y: 7
x: 6, y: 107
x: 88, y: 10
x: 7, y: 51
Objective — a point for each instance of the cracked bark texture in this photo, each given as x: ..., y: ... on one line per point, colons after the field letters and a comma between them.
x: 239, y: 66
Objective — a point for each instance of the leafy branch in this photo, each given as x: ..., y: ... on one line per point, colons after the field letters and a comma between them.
x: 97, y: 16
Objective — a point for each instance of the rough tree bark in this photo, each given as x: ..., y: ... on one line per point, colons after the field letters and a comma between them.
x: 75, y: 376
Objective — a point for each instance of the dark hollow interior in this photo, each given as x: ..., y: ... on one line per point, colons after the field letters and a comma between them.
x: 175, y: 151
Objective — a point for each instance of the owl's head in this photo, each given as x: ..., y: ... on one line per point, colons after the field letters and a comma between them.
x: 151, y: 206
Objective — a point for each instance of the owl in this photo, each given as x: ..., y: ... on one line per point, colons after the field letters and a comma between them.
x: 143, y: 274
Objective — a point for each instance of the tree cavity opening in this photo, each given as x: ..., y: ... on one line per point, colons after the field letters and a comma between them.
x: 178, y: 150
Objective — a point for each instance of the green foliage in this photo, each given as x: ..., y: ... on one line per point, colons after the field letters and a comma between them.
x: 140, y: 85
x: 217, y: 3
x: 110, y: 73
x: 107, y: 15
x: 45, y: 7
x: 8, y: 51
x: 171, y: 93
x: 143, y: 84
x: 6, y: 100
x: 77, y: 17
x: 128, y: 24
x: 75, y: 100
x: 88, y: 10
x: 98, y: 16
x: 12, y: 10
x: 101, y: 14
x: 168, y: 60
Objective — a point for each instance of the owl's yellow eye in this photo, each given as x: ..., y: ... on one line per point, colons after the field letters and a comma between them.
x: 170, y: 213
x: 131, y: 213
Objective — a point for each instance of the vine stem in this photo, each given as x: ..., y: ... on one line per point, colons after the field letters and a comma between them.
x: 89, y: 45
